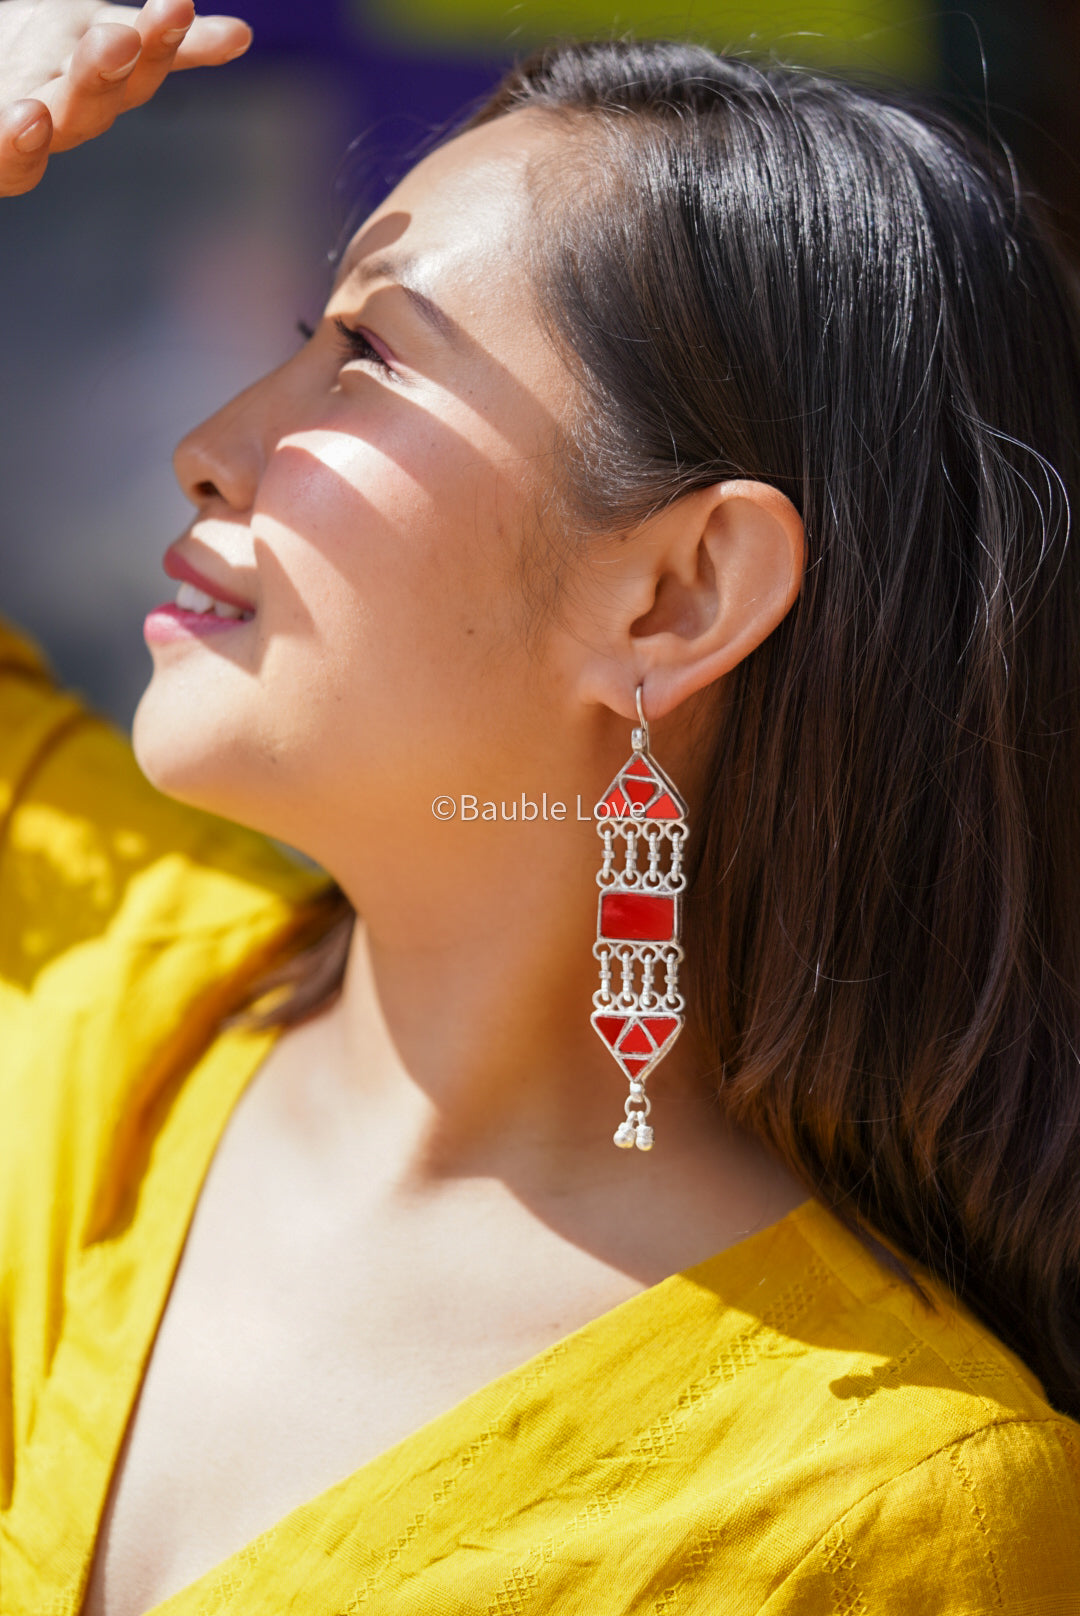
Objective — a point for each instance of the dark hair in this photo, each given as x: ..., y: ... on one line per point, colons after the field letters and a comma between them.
x: 760, y: 272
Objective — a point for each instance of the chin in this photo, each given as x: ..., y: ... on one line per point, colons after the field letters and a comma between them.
x: 199, y: 756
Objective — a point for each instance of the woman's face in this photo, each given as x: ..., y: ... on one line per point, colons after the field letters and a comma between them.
x: 370, y: 505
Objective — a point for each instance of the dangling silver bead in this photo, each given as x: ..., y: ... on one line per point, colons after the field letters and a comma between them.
x: 644, y: 1137
x: 625, y: 1135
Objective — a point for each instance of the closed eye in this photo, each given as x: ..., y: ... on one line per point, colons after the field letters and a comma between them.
x: 358, y: 345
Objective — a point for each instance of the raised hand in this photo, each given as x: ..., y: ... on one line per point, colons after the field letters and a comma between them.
x: 69, y: 68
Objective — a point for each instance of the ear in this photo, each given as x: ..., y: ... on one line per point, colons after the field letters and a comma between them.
x: 694, y: 591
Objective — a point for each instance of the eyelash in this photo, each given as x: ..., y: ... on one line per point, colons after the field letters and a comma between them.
x: 355, y: 343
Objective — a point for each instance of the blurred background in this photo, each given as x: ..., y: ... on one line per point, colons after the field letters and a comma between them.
x: 158, y: 271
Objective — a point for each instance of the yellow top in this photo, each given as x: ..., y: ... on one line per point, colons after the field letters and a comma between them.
x: 784, y: 1430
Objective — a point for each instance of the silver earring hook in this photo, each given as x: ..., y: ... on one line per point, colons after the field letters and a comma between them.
x: 639, y: 740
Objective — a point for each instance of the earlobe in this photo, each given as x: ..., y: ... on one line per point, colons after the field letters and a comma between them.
x: 729, y: 570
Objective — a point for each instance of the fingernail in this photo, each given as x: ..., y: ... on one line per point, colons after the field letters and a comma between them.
x: 173, y: 37
x: 33, y: 137
x: 118, y: 73
x: 240, y: 49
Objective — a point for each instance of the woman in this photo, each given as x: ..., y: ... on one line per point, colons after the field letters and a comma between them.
x: 743, y: 395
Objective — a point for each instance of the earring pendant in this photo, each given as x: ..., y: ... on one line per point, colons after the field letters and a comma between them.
x: 638, y: 1008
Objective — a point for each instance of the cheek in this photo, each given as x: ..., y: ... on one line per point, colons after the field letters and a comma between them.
x: 364, y: 554
x: 386, y: 606
x: 390, y: 646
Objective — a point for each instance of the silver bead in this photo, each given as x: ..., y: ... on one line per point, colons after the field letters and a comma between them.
x: 644, y: 1136
x: 625, y: 1136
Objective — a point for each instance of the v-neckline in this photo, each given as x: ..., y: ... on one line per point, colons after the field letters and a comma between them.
x: 227, y: 1069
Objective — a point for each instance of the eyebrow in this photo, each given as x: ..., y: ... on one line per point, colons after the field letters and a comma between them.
x: 386, y: 269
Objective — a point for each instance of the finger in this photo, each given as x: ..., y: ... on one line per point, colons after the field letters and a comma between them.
x: 211, y: 41
x: 162, y: 26
x: 25, y: 135
x: 89, y: 96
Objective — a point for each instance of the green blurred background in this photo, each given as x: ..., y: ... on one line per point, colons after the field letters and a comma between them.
x: 896, y: 35
x: 162, y: 268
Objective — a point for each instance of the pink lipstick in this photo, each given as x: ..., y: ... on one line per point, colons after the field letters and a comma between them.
x: 202, y: 606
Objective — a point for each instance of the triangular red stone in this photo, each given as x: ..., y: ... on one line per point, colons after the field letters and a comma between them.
x: 639, y: 791
x: 639, y: 767
x: 663, y: 809
x: 663, y: 1028
x: 616, y: 805
x: 610, y: 1027
x: 633, y: 1067
x: 635, y: 1042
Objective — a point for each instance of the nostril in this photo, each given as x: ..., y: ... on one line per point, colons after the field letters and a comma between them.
x: 207, y: 490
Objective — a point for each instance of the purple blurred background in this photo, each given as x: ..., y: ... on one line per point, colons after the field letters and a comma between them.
x: 160, y: 269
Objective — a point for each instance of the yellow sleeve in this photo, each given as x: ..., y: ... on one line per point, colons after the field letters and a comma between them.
x: 81, y: 830
x: 126, y: 923
x: 985, y: 1525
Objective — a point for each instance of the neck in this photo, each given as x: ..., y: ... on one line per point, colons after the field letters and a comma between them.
x: 467, y: 999
x: 462, y: 1041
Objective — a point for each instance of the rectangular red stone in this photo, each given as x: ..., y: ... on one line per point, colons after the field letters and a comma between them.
x: 637, y: 917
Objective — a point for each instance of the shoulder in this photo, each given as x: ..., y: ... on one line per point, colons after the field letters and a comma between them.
x: 788, y: 1430
x: 943, y: 1481
x: 987, y: 1522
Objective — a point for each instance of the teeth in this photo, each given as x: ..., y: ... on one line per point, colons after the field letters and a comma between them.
x: 192, y: 599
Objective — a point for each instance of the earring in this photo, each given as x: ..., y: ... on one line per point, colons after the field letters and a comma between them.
x: 639, y: 925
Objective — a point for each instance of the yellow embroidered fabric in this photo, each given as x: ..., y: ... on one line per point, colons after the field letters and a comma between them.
x: 784, y: 1430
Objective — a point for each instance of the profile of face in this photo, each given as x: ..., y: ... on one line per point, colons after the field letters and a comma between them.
x: 370, y: 504
x: 375, y: 515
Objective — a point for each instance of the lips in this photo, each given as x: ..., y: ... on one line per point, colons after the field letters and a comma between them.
x: 202, y: 606
x: 170, y: 622
x: 180, y: 568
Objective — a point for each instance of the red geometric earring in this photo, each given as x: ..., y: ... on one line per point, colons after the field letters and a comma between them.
x: 639, y: 924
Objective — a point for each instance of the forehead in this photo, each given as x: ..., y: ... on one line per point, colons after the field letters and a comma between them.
x: 461, y: 217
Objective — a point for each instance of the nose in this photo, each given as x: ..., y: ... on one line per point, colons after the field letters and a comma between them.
x: 224, y: 456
